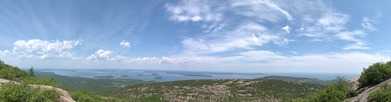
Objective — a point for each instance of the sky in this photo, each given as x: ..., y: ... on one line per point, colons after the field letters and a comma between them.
x: 256, y: 36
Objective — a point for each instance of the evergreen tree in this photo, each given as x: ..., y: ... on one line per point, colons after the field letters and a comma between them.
x: 31, y: 71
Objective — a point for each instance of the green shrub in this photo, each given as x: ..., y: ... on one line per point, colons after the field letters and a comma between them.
x: 375, y: 74
x: 381, y: 95
x: 15, y: 74
x: 12, y: 73
x: 335, y: 92
x: 85, y: 97
x: 12, y: 92
x: 39, y: 81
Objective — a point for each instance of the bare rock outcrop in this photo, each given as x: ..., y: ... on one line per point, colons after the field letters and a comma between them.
x: 354, y: 85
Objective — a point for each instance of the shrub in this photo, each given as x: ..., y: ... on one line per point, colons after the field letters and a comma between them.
x: 39, y: 81
x: 381, y: 95
x: 12, y: 73
x: 85, y: 97
x: 335, y: 92
x: 12, y: 92
x: 375, y: 74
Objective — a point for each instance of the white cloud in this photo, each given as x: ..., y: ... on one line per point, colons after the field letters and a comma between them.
x: 101, y: 54
x: 329, y: 62
x: 293, y: 52
x: 5, y: 53
x: 287, y: 29
x: 180, y: 60
x: 333, y: 21
x: 244, y: 36
x: 36, y: 48
x: 368, y: 24
x: 245, y: 30
x: 356, y: 46
x: 261, y: 55
x: 125, y: 44
x: 268, y: 61
x: 330, y: 23
x: 351, y: 36
x: 354, y: 37
x: 192, y: 10
x: 263, y: 9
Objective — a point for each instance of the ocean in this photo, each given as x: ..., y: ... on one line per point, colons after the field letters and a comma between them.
x: 164, y: 76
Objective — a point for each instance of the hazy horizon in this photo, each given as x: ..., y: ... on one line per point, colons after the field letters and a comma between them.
x: 287, y: 36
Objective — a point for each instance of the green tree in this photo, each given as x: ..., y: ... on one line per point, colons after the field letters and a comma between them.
x: 375, y: 74
x: 31, y: 71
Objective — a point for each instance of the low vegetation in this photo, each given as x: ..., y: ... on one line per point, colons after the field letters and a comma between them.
x: 335, y: 92
x: 339, y: 91
x: 375, y: 74
x: 381, y: 95
x: 12, y: 92
x: 263, y: 89
x: 219, y: 90
x: 22, y: 91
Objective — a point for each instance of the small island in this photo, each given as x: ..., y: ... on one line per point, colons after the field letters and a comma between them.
x: 124, y: 76
x: 158, y: 77
x: 196, y: 75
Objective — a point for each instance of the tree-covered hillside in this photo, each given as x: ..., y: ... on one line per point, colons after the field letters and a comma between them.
x: 96, y: 86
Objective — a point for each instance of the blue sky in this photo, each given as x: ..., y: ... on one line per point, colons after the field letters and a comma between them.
x: 332, y: 36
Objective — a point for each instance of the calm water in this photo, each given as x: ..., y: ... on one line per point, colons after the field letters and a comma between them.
x: 162, y: 76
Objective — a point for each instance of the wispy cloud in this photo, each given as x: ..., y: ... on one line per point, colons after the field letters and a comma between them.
x: 357, y: 45
x: 330, y: 23
x: 193, y: 10
x: 263, y: 9
x: 351, y: 36
x: 125, y: 44
x: 269, y: 61
x: 245, y: 29
x: 368, y: 24
x: 244, y: 36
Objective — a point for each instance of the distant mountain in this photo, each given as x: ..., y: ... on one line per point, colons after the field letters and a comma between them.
x: 274, y: 88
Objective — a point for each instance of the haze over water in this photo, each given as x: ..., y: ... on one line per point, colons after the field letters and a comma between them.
x: 162, y: 76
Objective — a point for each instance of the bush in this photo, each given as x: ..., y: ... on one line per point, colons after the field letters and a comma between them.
x: 15, y: 74
x: 39, y: 81
x: 381, y: 95
x: 335, y: 92
x: 85, y: 97
x: 12, y: 92
x: 375, y: 74
x: 12, y: 73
